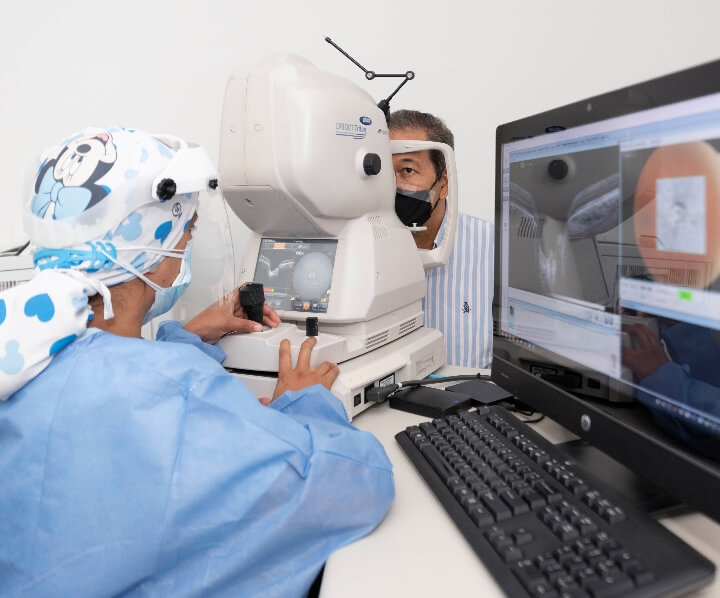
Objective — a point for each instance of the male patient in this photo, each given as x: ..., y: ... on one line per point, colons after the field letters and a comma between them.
x: 458, y: 296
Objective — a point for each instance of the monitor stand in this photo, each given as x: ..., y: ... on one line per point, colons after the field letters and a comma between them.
x: 640, y: 492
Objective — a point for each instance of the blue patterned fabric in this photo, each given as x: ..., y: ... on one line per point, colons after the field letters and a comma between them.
x: 68, y: 201
x: 96, y: 186
x: 458, y: 298
x: 37, y: 320
x: 141, y: 468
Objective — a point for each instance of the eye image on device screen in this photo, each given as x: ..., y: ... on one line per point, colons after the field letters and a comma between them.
x: 558, y: 205
x: 296, y: 273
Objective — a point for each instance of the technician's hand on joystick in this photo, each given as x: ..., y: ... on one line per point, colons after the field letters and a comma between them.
x: 252, y: 298
x: 303, y: 375
x: 228, y: 316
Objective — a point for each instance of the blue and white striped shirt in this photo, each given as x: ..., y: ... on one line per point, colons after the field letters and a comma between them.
x: 458, y: 297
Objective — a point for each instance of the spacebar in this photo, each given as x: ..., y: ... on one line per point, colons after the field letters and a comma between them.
x: 437, y: 462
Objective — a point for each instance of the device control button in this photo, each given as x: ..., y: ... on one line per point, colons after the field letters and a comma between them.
x: 372, y: 164
x: 311, y: 326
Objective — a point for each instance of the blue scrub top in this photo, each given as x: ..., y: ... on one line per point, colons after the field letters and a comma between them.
x: 141, y: 468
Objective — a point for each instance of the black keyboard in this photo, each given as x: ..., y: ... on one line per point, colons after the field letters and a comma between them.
x: 541, y: 524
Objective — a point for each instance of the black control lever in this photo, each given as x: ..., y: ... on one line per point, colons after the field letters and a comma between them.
x: 252, y: 298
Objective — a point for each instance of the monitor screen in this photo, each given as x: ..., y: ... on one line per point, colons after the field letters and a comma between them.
x: 607, y: 290
x: 296, y: 273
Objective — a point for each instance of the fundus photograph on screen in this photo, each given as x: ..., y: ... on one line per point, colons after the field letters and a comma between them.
x: 671, y: 195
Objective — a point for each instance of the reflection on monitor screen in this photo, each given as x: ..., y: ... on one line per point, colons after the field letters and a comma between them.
x: 296, y: 273
x: 610, y: 257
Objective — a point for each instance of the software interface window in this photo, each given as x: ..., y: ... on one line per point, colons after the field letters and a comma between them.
x: 612, y: 226
x: 296, y: 274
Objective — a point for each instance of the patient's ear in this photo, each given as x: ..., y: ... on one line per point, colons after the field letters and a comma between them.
x: 444, y: 185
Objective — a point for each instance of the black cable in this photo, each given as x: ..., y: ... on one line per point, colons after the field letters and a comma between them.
x: 377, y: 394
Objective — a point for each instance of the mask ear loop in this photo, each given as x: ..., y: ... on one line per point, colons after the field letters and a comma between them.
x: 439, y: 198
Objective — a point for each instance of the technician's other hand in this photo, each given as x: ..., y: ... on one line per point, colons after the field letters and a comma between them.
x: 228, y: 316
x: 649, y: 353
x: 303, y: 375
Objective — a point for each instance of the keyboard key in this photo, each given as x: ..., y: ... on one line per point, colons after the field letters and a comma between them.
x: 511, y: 554
x: 517, y: 505
x: 553, y: 572
x: 501, y: 541
x: 543, y: 590
x: 493, y: 532
x: 461, y: 492
x: 545, y: 559
x: 613, y: 515
x: 642, y: 577
x: 522, y: 536
x: 586, y: 526
x: 495, y: 506
x: 437, y: 462
x: 609, y: 586
x: 480, y: 515
x: 564, y: 553
x: 528, y: 574
x: 577, y: 486
x: 594, y: 556
x: 548, y: 492
x: 574, y: 564
x: 478, y: 486
x: 591, y: 498
x: 534, y: 499
x: 567, y: 532
x: 469, y: 502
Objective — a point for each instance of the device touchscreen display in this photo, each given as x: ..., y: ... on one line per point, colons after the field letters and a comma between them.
x: 296, y: 273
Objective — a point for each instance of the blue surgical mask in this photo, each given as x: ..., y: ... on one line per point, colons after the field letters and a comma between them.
x: 165, y: 298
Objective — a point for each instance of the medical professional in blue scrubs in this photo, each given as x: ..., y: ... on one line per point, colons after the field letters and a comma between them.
x: 141, y: 468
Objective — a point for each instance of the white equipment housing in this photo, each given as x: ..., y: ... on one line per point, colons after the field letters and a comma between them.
x: 15, y: 268
x: 306, y: 164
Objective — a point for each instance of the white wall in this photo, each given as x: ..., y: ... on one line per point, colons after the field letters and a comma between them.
x: 162, y: 65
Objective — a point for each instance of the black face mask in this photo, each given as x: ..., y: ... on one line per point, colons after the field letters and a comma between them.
x: 414, y: 207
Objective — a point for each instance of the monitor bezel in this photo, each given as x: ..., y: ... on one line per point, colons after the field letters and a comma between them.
x: 649, y: 452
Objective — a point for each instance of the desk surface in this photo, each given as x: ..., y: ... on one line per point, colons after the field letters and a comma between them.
x: 417, y: 550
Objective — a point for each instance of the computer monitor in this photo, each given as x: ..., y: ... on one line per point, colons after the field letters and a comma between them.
x: 607, y: 275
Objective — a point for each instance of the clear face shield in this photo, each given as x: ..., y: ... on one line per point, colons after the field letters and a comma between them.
x: 213, y: 264
x: 212, y: 267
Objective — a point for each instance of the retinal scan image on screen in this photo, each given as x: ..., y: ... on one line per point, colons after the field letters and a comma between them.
x: 611, y: 257
x: 296, y: 273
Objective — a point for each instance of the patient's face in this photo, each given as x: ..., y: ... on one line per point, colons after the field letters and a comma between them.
x: 414, y: 170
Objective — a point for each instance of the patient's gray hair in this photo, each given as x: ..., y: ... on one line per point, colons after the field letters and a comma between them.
x: 434, y: 127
